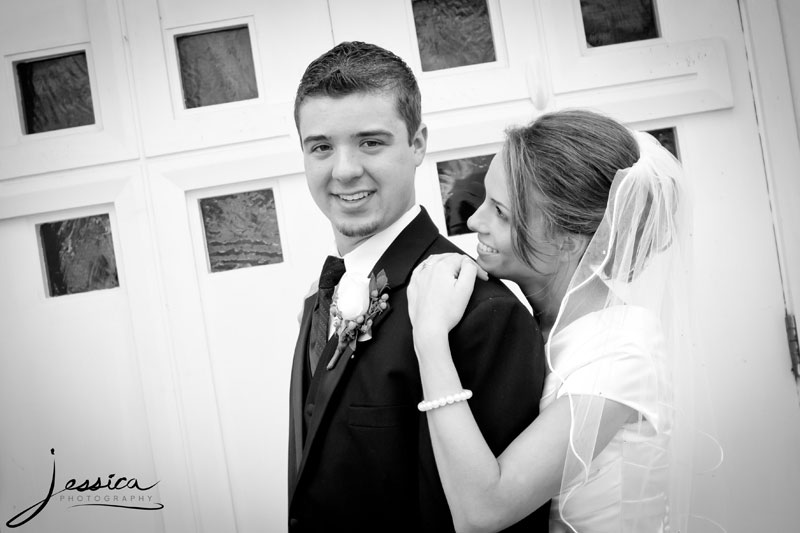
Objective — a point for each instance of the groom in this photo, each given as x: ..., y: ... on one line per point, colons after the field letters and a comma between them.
x: 360, y: 457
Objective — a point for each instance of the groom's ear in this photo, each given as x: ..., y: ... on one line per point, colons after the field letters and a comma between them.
x: 419, y: 144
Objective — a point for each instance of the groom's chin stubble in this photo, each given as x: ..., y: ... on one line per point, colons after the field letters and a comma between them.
x: 357, y: 230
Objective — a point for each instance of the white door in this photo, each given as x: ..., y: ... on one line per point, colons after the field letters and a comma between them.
x: 178, y: 373
x: 76, y: 338
x: 70, y: 362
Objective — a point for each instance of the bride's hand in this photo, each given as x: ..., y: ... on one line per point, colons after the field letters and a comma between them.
x: 439, y: 291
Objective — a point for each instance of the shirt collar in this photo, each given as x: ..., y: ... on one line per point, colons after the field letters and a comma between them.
x: 361, y: 260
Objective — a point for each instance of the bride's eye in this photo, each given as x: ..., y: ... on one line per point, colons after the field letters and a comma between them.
x: 500, y: 213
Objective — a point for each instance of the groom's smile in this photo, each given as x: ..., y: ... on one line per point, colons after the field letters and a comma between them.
x: 354, y: 198
x: 359, y: 162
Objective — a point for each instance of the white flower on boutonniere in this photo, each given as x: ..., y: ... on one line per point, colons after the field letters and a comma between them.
x: 352, y: 296
x: 356, y: 302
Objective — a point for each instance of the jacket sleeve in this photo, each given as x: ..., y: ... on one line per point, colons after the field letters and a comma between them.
x: 498, y: 352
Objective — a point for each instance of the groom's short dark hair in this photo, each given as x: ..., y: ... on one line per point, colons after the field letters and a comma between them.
x: 358, y: 67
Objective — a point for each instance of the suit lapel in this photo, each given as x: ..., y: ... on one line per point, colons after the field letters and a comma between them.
x: 398, y: 262
x: 296, y: 395
x: 407, y: 251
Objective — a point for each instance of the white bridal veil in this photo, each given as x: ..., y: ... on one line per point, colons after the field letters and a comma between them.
x: 633, y: 282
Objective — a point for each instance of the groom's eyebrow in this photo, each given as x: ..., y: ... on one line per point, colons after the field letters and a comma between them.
x: 374, y: 133
x: 314, y: 138
x: 359, y: 135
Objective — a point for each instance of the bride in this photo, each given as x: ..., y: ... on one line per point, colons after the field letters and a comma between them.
x: 590, y: 220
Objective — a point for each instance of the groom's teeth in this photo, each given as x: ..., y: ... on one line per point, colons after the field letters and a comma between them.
x: 354, y: 197
x: 486, y: 249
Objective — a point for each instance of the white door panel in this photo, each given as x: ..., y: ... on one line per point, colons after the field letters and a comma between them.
x: 69, y: 375
x: 249, y: 312
x: 167, y: 125
x: 515, y: 31
x: 235, y: 330
x: 681, y: 72
x: 739, y: 314
x: 92, y: 26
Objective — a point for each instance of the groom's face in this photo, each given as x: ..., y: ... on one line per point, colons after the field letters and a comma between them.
x: 359, y: 162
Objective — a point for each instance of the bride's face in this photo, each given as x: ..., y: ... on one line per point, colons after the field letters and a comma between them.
x: 492, y: 223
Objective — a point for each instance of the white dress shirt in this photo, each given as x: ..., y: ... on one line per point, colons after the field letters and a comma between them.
x: 360, y: 261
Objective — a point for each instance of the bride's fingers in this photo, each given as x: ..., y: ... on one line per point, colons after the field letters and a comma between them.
x: 429, y: 262
x: 481, y: 273
x: 445, y: 256
x: 451, y: 263
x: 465, y: 280
x: 458, y: 260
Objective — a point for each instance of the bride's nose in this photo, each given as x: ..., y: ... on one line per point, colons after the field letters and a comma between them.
x: 476, y: 221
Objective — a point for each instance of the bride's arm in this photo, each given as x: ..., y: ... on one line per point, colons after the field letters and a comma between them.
x: 485, y: 493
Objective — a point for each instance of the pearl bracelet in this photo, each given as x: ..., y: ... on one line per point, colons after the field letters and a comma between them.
x: 427, y: 405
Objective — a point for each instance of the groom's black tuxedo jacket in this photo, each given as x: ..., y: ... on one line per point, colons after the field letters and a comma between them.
x: 360, y: 456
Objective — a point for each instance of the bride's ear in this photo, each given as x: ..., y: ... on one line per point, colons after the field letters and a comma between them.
x: 572, y: 245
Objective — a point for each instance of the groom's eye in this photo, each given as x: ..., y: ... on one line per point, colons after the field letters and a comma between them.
x: 320, y: 148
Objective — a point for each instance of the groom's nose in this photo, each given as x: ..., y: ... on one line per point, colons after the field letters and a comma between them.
x: 346, y: 165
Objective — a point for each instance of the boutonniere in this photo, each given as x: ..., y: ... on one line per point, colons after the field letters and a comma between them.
x: 356, y: 302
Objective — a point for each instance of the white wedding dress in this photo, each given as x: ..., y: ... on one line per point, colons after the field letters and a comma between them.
x: 618, y: 354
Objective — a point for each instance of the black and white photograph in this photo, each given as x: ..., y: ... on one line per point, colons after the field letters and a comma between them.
x: 399, y: 266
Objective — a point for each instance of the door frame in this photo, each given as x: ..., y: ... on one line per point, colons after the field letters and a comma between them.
x: 780, y: 146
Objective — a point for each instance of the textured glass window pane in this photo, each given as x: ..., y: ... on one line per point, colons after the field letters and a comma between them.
x: 55, y: 93
x: 618, y: 21
x: 461, y: 184
x: 79, y: 255
x: 216, y: 67
x: 666, y: 136
x: 241, y: 230
x: 453, y: 33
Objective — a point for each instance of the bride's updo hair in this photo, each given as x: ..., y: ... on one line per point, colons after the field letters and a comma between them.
x: 570, y: 158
